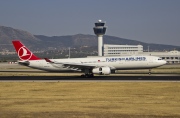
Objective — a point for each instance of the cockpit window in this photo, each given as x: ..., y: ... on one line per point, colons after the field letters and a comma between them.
x: 159, y: 59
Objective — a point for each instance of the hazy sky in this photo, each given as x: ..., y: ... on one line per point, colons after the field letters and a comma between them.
x: 151, y: 21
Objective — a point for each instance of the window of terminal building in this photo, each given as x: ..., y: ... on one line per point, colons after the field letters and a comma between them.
x: 176, y: 57
x: 163, y: 57
x: 172, y: 57
x: 167, y: 57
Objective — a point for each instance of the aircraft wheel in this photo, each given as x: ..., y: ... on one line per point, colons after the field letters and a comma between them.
x: 149, y: 72
x: 82, y: 75
x: 87, y: 75
x: 92, y: 75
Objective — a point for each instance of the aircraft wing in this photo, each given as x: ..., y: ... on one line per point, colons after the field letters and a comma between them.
x: 72, y: 65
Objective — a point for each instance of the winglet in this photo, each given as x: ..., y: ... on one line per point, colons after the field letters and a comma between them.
x: 47, y: 60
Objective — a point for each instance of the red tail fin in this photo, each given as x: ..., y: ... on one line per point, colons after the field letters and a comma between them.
x: 23, y: 52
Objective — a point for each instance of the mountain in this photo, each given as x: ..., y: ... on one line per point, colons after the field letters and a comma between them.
x: 69, y: 41
x: 91, y: 40
x: 7, y: 34
x: 41, y: 42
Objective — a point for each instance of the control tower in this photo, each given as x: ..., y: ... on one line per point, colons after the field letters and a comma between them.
x: 100, y: 30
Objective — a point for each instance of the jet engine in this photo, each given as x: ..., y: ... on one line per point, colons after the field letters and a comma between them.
x: 102, y: 70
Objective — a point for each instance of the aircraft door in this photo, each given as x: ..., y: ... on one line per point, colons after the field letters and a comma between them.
x: 150, y: 61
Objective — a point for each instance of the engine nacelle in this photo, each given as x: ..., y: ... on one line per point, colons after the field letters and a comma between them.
x: 102, y: 71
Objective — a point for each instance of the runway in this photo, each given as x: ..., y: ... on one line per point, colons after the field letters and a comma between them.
x: 94, y: 79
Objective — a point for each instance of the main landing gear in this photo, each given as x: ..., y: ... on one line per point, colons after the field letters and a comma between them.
x: 87, y: 75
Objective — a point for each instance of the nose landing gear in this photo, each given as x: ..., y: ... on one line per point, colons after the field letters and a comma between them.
x: 149, y: 72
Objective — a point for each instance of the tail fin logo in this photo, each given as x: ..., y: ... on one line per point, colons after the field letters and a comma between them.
x: 24, y: 53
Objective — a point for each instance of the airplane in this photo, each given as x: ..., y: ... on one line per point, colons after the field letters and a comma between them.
x: 89, y: 65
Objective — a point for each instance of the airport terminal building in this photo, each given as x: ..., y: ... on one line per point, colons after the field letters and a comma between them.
x: 116, y: 50
x: 126, y: 50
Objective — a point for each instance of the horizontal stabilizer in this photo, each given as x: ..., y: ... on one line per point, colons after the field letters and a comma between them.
x: 48, y: 60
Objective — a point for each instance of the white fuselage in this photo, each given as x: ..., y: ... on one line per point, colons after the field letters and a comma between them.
x: 114, y: 63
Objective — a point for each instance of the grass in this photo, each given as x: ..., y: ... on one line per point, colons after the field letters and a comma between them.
x: 153, y: 71
x: 37, y: 74
x: 91, y: 99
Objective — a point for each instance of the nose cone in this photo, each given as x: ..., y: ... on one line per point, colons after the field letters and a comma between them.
x: 163, y: 62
